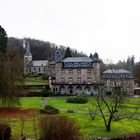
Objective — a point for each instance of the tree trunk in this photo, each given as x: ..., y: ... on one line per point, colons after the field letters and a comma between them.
x: 108, y: 126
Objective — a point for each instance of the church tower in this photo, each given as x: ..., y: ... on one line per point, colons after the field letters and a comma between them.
x: 57, y: 56
x: 27, y: 55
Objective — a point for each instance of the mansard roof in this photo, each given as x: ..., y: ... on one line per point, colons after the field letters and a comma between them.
x: 116, y: 71
x: 37, y: 63
x: 77, y: 59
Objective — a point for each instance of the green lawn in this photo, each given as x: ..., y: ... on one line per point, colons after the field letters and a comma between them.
x: 35, y: 81
x: 93, y: 128
x: 60, y: 102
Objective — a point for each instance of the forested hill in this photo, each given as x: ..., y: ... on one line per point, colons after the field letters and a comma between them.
x: 40, y: 49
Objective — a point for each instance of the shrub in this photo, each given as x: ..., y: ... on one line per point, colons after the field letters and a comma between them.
x: 48, y: 109
x: 44, y: 92
x: 70, y: 111
x: 45, y: 77
x: 55, y: 127
x: 108, y: 93
x: 80, y: 98
x: 5, y: 132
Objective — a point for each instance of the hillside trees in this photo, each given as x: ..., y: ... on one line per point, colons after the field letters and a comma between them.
x: 42, y: 49
x: 136, y: 73
x: 11, y: 73
x: 3, y: 40
x: 68, y: 52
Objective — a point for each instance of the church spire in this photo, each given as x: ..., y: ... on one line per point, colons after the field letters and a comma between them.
x: 28, y: 51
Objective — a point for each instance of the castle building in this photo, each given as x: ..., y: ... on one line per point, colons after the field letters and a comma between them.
x: 118, y: 77
x: 75, y: 74
x: 33, y: 67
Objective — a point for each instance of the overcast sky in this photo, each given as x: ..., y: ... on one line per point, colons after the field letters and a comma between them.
x: 109, y: 27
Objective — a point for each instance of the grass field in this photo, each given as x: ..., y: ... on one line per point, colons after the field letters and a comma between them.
x: 93, y: 128
x: 35, y: 81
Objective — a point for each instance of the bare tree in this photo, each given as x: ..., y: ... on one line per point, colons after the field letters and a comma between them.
x: 110, y: 106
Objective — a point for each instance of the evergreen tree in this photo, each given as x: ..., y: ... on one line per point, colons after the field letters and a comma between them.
x: 136, y: 73
x: 91, y: 55
x: 3, y: 40
x: 11, y: 71
x: 68, y: 52
x: 130, y: 63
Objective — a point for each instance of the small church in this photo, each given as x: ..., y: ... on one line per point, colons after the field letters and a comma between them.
x: 33, y: 67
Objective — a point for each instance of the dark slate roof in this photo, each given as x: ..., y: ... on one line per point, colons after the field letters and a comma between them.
x: 77, y: 59
x: 115, y: 71
x: 28, y: 51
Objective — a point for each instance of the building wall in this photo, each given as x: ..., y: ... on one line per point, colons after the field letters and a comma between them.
x: 77, y: 75
x: 65, y: 89
x: 83, y: 79
x: 36, y: 70
x: 118, y: 77
x: 52, y: 70
x: 126, y: 84
x: 27, y: 61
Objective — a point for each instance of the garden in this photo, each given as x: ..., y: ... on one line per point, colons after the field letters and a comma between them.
x: 25, y: 119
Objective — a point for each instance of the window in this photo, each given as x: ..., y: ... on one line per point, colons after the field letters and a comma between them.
x: 113, y: 83
x: 70, y: 79
x: 79, y: 79
x: 44, y: 69
x: 88, y: 71
x: 39, y: 69
x: 79, y: 72
x: 108, y: 82
x: 70, y: 71
x: 113, y: 76
x: 89, y: 80
x: 62, y: 72
x: 62, y: 79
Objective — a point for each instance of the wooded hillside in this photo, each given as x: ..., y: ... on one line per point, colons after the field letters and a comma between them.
x: 40, y: 49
